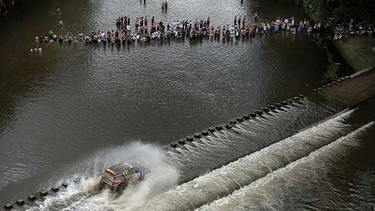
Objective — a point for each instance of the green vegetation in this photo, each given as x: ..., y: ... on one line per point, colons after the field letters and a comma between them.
x: 337, y: 63
x: 340, y: 10
x: 317, y: 9
x: 353, y: 53
x: 358, y: 51
x: 332, y: 73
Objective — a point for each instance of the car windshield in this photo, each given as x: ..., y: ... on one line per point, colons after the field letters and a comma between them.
x: 119, y: 176
x: 119, y: 168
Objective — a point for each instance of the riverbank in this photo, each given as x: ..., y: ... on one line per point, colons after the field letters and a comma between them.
x: 350, y: 49
x: 347, y: 55
x: 5, y: 6
x: 358, y: 51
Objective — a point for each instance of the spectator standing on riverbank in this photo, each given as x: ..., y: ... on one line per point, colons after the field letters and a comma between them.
x: 256, y: 17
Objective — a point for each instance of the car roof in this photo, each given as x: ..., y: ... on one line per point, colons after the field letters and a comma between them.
x: 119, y: 168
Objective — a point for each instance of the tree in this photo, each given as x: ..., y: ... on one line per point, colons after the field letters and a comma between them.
x: 340, y: 10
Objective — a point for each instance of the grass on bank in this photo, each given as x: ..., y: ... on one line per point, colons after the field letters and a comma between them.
x: 358, y: 51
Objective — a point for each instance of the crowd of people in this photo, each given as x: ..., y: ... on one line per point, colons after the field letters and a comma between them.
x: 344, y: 30
x: 145, y: 31
x: 242, y: 27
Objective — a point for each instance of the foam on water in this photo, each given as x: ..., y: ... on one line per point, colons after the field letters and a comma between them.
x: 251, y: 135
x: 81, y: 195
x: 220, y: 147
x: 246, y: 170
x: 285, y: 188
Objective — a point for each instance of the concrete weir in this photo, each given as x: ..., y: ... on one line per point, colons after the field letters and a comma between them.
x: 20, y: 202
x: 32, y: 198
x: 346, y: 92
x: 343, y: 93
x: 232, y: 123
x: 352, y: 89
x: 8, y: 206
x: 199, y: 140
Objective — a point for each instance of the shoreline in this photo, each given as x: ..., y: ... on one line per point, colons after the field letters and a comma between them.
x: 358, y: 51
x: 351, y: 45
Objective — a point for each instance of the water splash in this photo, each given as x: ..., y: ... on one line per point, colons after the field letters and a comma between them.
x: 81, y: 195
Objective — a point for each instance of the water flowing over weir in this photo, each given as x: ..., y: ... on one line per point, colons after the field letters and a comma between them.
x: 292, y: 182
x: 244, y: 171
x: 221, y: 147
x: 192, y: 159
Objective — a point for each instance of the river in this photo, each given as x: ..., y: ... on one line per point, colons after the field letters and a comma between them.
x: 74, y: 102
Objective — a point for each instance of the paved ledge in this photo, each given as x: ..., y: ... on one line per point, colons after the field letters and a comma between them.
x: 351, y: 90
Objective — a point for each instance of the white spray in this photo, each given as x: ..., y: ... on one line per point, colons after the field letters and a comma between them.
x: 81, y: 195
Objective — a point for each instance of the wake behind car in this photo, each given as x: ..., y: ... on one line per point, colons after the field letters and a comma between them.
x: 120, y: 176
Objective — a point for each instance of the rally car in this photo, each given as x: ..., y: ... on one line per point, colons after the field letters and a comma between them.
x: 120, y: 176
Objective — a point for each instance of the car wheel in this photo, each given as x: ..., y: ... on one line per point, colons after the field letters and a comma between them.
x: 100, y: 186
x: 121, y: 188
